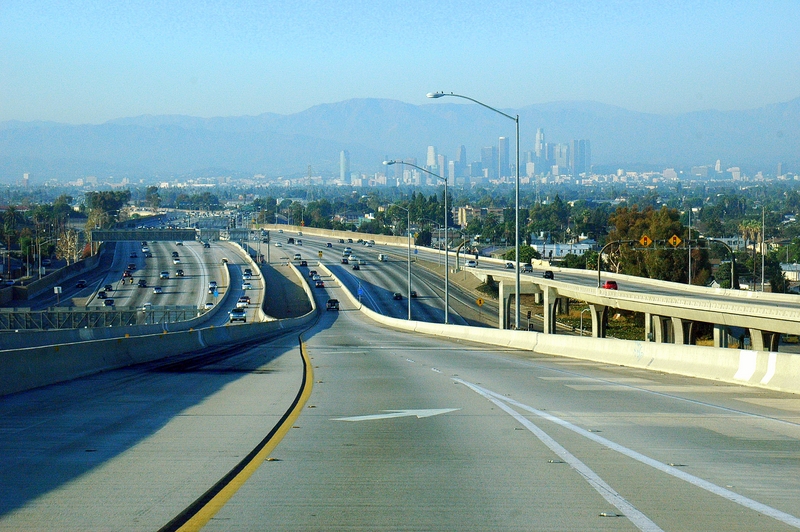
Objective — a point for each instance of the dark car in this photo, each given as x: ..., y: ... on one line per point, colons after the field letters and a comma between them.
x: 141, y: 283
x: 332, y: 304
x: 413, y: 293
x: 397, y: 295
x: 328, y: 245
x: 175, y: 254
x: 345, y: 260
x: 610, y: 285
x: 237, y: 314
x: 206, y: 245
x: 148, y: 255
x: 108, y: 288
x: 126, y: 273
x: 131, y: 266
x: 356, y: 266
x: 312, y: 273
x: 101, y: 295
x: 108, y: 302
x: 319, y: 284
x: 80, y: 284
x: 548, y: 274
x: 179, y: 273
x: 341, y: 240
x: 303, y: 263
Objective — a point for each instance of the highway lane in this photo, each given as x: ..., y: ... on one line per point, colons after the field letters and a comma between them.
x: 401, y: 432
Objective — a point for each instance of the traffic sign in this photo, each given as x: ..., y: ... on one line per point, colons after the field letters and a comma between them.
x: 319, y: 253
x: 645, y: 240
x: 674, y: 240
x: 479, y: 301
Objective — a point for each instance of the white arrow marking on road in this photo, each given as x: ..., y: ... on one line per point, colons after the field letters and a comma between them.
x: 400, y: 413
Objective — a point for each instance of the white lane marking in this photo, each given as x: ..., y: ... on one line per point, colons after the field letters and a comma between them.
x: 772, y: 364
x: 637, y: 518
x: 784, y: 517
x: 747, y: 365
x: 399, y: 413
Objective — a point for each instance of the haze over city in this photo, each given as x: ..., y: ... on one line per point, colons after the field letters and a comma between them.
x: 89, y: 62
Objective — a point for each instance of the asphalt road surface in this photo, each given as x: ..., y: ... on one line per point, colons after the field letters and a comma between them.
x: 397, y: 431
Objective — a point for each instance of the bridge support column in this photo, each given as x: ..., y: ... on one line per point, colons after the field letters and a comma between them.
x: 599, y: 320
x: 658, y: 326
x: 678, y: 333
x: 756, y: 340
x: 551, y: 300
x: 764, y: 340
x: 721, y: 335
x: 505, y: 290
x: 537, y: 298
x: 648, y: 327
x: 563, y: 305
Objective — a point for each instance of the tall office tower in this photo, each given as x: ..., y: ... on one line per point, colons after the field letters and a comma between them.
x: 587, y: 156
x: 502, y: 152
x: 441, y: 165
x: 26, y: 179
x: 344, y: 167
x: 451, y: 171
x: 577, y: 157
x: 462, y: 156
x: 718, y: 167
x: 541, y: 154
x: 431, y: 160
x: 561, y: 156
x: 489, y: 161
x: 780, y: 170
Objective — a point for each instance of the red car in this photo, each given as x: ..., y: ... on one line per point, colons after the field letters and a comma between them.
x: 610, y: 285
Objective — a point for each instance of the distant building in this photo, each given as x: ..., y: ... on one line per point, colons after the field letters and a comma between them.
x: 489, y: 161
x: 344, y: 167
x: 580, y: 157
x: 503, y: 168
x: 26, y: 179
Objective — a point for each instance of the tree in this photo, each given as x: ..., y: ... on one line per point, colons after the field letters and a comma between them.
x: 152, y: 197
x: 526, y: 254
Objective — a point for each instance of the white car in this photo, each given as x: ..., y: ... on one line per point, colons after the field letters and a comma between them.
x: 246, y: 286
x: 278, y: 245
x: 316, y: 278
x: 471, y: 264
x: 164, y: 275
x: 209, y: 305
x: 157, y: 290
x: 176, y: 260
x: 247, y: 276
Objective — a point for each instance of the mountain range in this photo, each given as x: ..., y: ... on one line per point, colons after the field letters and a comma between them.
x: 165, y: 146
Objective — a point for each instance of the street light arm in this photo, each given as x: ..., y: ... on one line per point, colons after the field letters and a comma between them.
x: 440, y: 94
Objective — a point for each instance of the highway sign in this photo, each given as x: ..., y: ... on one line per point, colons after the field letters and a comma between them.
x: 319, y: 253
x: 645, y: 240
x: 674, y: 240
x: 479, y: 301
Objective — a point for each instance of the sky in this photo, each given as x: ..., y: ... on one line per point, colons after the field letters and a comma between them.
x: 87, y: 61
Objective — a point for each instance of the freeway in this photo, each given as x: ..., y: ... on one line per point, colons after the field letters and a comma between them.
x: 398, y: 431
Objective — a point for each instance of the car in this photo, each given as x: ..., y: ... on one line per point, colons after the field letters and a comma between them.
x: 237, y: 314
x: 312, y: 273
x: 163, y: 275
x: 368, y: 244
x: 147, y: 306
x: 278, y: 245
x: 176, y: 261
x: 148, y: 255
x: 348, y: 250
x: 356, y: 266
x: 246, y: 286
x: 142, y: 283
x: 299, y: 242
x: 131, y: 266
x: 241, y: 303
x: 413, y: 293
x: 80, y: 284
x: 345, y: 260
x: 360, y: 241
x: 178, y: 243
x: 248, y: 271
x: 362, y: 262
x: 206, y: 245
x: 319, y: 284
x: 341, y: 240
x: 610, y: 285
x: 175, y: 254
x: 290, y: 240
x: 328, y: 245
x: 158, y: 290
x: 209, y: 305
x: 246, y: 276
x: 145, y: 249
x: 126, y: 273
x: 527, y: 268
x: 509, y: 265
x: 471, y: 264
x: 315, y: 277
x: 349, y: 240
x: 101, y: 295
x: 108, y: 302
x: 332, y: 304
x: 280, y: 230
x: 398, y: 296
x: 133, y: 255
x: 246, y: 299
x: 303, y: 263
x: 179, y: 273
x: 108, y: 288
x: 212, y: 284
x: 299, y: 233
x: 297, y: 256
x: 371, y: 242
x: 548, y: 274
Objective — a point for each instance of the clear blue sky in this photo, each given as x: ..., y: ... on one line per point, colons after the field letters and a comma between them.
x: 90, y: 61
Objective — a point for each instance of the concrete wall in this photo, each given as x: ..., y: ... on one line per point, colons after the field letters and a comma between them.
x: 292, y: 230
x: 770, y: 370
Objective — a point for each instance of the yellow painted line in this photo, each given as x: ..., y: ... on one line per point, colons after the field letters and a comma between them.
x: 197, y: 515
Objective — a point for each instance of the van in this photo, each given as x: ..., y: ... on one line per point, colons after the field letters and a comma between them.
x: 382, y: 257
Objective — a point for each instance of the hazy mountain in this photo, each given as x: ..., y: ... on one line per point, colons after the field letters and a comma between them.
x: 148, y: 146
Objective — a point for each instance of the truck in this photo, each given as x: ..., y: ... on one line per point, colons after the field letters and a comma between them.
x: 382, y: 257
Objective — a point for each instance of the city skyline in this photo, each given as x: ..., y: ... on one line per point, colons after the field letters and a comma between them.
x: 87, y: 62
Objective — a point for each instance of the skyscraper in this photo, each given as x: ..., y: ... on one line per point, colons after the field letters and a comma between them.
x: 344, y: 167
x: 502, y: 163
x: 539, y: 146
x: 430, y: 162
x: 489, y: 161
x: 580, y: 156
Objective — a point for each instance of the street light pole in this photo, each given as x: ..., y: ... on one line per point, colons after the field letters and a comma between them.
x: 446, y: 238
x: 516, y: 194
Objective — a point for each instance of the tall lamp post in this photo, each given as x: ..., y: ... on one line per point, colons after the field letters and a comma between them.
x: 408, y: 232
x: 516, y: 191
x: 446, y: 238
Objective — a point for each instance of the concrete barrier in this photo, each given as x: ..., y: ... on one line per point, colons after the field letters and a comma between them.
x: 770, y: 370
